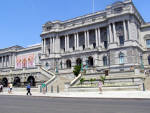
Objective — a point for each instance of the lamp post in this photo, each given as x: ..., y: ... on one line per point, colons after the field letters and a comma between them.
x: 81, y: 67
x: 86, y: 66
x: 56, y: 67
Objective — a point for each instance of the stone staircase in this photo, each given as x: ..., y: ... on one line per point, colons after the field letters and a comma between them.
x: 112, y: 83
x: 124, y: 83
x: 60, y: 84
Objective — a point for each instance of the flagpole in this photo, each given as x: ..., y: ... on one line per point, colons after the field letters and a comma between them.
x: 93, y: 5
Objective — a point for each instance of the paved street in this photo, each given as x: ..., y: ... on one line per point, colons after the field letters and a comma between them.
x: 27, y: 104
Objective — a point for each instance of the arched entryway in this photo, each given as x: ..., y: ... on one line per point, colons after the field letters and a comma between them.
x: 5, y: 82
x: 68, y: 63
x: 105, y: 61
x: 17, y: 82
x: 149, y: 59
x: 90, y: 61
x: 78, y: 61
x: 31, y: 80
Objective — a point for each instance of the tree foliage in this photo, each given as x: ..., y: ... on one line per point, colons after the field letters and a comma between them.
x: 77, y: 70
x: 102, y: 78
x: 82, y: 80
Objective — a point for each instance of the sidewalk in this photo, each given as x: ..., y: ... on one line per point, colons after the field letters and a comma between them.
x: 107, y: 94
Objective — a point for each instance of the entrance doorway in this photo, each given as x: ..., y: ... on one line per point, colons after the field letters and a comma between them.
x: 31, y: 80
x: 17, y: 82
x: 5, y: 82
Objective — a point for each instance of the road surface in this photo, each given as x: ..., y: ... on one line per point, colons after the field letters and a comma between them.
x: 28, y: 104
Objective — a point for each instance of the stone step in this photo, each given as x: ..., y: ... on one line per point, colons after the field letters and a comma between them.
x: 22, y: 90
x: 59, y: 82
x: 134, y: 88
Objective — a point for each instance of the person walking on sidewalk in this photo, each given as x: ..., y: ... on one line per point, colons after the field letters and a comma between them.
x: 44, y: 88
x: 10, y: 86
x: 29, y: 89
x: 1, y: 87
x: 100, y: 84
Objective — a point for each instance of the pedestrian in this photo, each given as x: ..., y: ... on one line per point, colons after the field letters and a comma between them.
x: 10, y: 86
x: 0, y: 87
x: 100, y: 84
x: 29, y: 89
x: 44, y: 88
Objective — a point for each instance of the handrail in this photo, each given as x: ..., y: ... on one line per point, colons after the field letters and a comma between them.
x: 51, y: 73
x: 50, y: 80
x: 75, y: 80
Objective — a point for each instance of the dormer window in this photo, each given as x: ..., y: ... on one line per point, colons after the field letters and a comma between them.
x: 48, y: 28
x: 118, y: 10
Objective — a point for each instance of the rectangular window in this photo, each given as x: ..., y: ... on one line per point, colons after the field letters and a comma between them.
x: 148, y: 43
x: 121, y: 40
x: 121, y: 60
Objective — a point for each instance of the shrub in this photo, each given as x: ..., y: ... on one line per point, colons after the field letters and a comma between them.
x: 102, y: 78
x: 77, y: 70
x: 82, y: 80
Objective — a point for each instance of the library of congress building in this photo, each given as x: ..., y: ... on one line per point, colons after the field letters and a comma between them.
x: 113, y: 41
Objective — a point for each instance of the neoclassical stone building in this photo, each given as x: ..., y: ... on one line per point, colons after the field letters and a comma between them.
x: 114, y: 40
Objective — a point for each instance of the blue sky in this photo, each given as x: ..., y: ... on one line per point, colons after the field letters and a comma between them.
x: 21, y: 20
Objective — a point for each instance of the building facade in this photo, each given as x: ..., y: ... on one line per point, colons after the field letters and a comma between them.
x: 116, y: 39
x: 112, y: 39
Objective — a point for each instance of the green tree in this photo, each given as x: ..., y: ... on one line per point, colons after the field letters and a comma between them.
x: 77, y: 70
x: 102, y: 78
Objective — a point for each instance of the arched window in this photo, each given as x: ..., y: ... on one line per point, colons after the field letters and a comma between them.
x: 104, y: 61
x: 68, y: 63
x: 121, y: 58
x: 149, y: 59
x: 78, y: 61
x: 90, y: 61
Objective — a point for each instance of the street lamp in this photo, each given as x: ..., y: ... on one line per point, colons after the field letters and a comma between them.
x: 56, y: 67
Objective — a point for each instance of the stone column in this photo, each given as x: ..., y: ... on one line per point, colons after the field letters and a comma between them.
x: 2, y: 62
x: 9, y: 60
x: 88, y: 39
x: 44, y: 46
x: 57, y: 44
x: 129, y: 30
x: 53, y: 44
x: 125, y: 30
x: 114, y: 31
x: 50, y: 44
x: 108, y: 38
x: 96, y: 34
x: 99, y: 37
x: 77, y: 41
x: 5, y: 61
x: 66, y: 43
x: 110, y: 34
x: 13, y: 60
x: 85, y: 38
